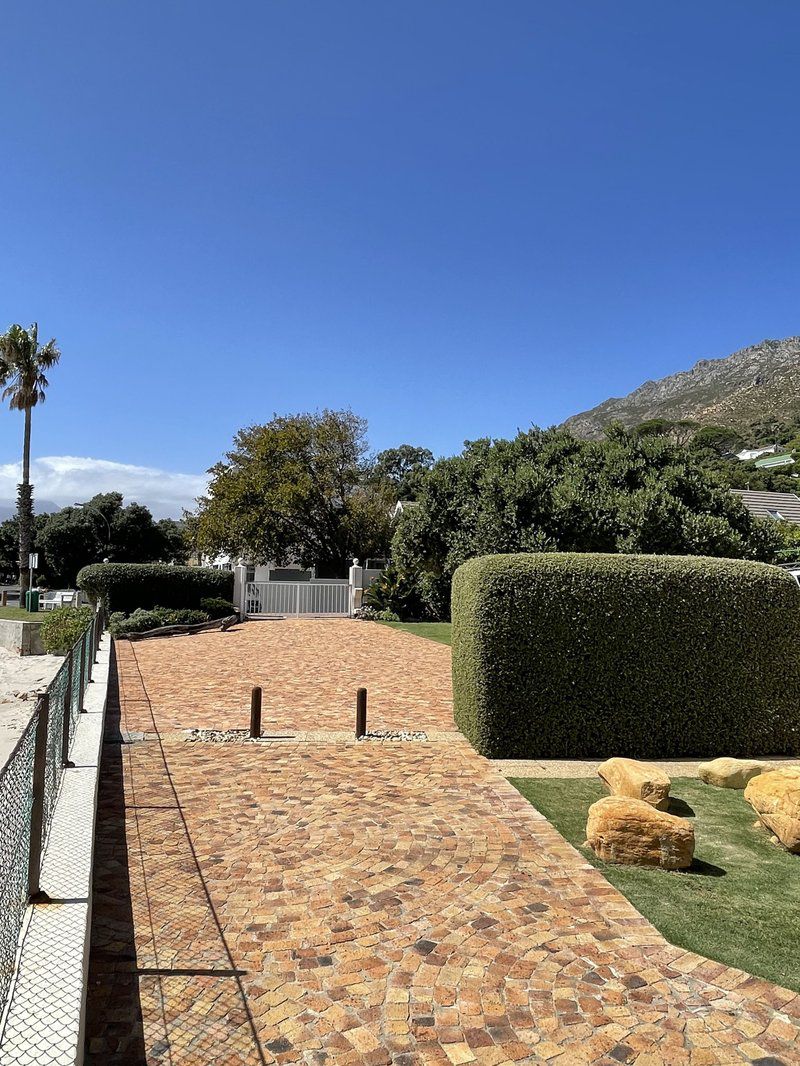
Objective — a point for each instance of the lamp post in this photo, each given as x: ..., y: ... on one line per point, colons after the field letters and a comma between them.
x: 95, y: 510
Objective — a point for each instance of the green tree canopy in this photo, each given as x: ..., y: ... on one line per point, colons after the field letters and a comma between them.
x: 546, y: 490
x: 298, y: 489
x: 73, y: 537
x: 403, y: 468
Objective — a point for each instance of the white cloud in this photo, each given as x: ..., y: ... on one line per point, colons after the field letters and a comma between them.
x: 65, y: 479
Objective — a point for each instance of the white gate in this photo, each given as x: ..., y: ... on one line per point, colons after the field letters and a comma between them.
x: 297, y: 598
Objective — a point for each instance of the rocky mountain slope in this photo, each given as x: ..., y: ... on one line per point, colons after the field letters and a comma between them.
x: 757, y: 382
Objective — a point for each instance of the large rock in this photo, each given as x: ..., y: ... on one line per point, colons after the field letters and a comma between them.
x: 636, y: 780
x: 775, y: 797
x: 633, y: 832
x: 731, y: 773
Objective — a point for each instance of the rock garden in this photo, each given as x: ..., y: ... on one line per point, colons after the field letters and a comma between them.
x: 644, y: 660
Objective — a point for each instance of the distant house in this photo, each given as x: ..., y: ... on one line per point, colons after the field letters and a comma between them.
x: 770, y: 462
x: 780, y: 506
x: 755, y: 453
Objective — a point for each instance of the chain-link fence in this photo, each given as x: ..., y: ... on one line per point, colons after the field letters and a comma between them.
x: 29, y: 785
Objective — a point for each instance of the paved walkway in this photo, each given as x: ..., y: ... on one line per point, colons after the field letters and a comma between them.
x: 372, y: 903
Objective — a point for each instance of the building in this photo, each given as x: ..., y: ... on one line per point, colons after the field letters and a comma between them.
x: 755, y: 453
x: 780, y: 506
x: 770, y: 462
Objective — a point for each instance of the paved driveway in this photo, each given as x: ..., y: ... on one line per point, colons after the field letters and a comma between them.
x: 309, y: 670
x: 331, y: 902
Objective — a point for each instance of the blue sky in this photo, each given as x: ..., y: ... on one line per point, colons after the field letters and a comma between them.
x: 458, y: 218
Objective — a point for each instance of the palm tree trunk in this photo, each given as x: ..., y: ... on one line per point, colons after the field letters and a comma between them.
x: 25, y: 511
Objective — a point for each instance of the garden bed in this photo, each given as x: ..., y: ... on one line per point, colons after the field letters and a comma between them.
x: 740, y: 901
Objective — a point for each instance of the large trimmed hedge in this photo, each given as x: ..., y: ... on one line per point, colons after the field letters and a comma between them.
x: 128, y: 586
x: 570, y: 655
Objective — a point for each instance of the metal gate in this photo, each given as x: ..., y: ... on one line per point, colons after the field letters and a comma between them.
x: 297, y: 598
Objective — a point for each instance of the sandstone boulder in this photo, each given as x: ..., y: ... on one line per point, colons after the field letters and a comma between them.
x: 636, y: 780
x: 731, y: 773
x: 633, y: 832
x: 775, y: 797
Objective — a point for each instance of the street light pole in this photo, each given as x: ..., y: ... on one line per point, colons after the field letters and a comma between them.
x: 95, y: 510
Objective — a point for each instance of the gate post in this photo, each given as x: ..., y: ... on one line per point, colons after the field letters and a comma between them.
x: 240, y: 589
x: 356, y: 580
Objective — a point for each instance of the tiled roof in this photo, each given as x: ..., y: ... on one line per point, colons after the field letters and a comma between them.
x: 760, y: 504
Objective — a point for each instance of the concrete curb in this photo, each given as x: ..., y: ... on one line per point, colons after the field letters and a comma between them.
x: 47, y: 1004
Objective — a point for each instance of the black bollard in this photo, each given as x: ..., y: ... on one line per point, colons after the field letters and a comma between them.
x: 255, y: 713
x: 361, y: 713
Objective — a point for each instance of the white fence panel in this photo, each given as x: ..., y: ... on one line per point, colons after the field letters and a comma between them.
x: 297, y: 598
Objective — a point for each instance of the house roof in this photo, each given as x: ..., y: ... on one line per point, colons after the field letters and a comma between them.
x: 771, y: 504
x: 775, y: 460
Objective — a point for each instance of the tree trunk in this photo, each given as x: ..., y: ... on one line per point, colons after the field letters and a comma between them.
x: 25, y: 511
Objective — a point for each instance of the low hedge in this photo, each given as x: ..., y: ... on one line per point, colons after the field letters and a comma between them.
x: 141, y: 621
x: 127, y: 587
x: 570, y: 655
x: 62, y: 626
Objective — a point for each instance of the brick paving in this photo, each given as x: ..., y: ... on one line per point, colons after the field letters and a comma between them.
x: 376, y: 903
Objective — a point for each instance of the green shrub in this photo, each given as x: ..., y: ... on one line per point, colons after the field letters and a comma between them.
x: 216, y: 607
x: 62, y: 626
x: 397, y: 593
x: 141, y: 621
x: 128, y: 586
x: 575, y: 656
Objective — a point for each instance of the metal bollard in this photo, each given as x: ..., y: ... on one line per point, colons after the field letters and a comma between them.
x: 361, y: 713
x: 255, y: 713
x: 35, y: 894
x: 65, y: 761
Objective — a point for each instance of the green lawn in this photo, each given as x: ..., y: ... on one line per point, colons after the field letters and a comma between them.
x: 439, y: 631
x: 17, y: 614
x: 739, y: 903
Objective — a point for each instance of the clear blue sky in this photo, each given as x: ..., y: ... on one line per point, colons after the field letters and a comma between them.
x: 457, y: 217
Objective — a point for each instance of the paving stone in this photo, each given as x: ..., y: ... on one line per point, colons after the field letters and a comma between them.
x: 319, y: 900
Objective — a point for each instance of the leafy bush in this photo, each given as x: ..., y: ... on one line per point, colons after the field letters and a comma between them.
x: 366, y: 614
x: 397, y: 593
x: 547, y: 491
x: 371, y: 614
x: 141, y: 621
x: 128, y: 586
x: 572, y: 656
x: 216, y: 607
x: 62, y: 626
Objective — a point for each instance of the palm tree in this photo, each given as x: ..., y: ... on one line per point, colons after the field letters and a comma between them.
x: 23, y: 363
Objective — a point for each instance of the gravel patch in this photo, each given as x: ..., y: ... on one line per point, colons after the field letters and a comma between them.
x: 395, y: 734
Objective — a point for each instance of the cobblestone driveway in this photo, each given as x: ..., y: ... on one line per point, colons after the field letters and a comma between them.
x: 332, y: 902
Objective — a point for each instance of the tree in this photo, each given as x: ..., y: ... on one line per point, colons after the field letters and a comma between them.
x: 298, y: 489
x: 23, y: 362
x: 102, y: 528
x: 9, y: 548
x: 679, y: 432
x: 546, y: 491
x: 403, y: 468
x: 718, y: 440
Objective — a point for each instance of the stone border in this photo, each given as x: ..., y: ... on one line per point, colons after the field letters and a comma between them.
x: 587, y: 768
x: 46, y: 1013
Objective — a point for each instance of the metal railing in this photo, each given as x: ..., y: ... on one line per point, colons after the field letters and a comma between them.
x: 29, y: 786
x: 297, y: 597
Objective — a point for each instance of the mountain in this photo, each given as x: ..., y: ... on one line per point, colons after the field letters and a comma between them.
x: 759, y: 382
x: 8, y: 508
